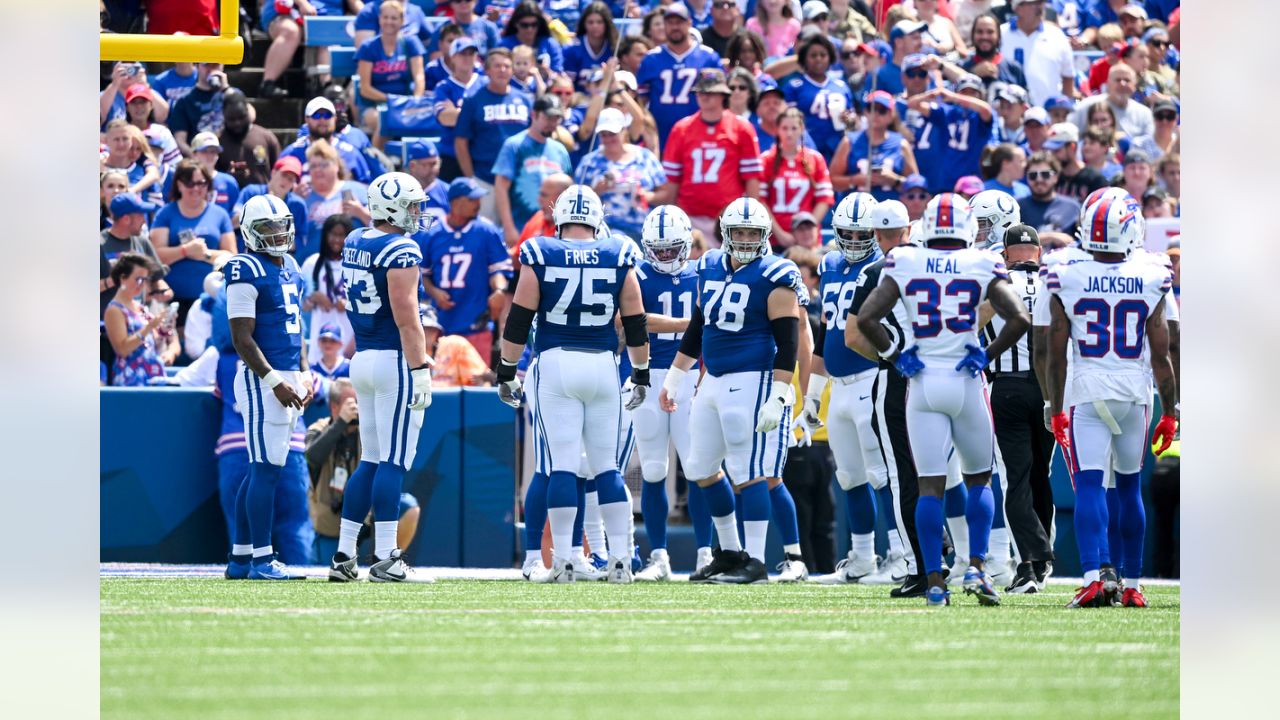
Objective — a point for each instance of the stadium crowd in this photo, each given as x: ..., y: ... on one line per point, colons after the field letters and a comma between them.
x: 496, y: 106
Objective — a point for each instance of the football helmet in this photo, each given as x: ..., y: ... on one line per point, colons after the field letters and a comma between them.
x: 948, y: 216
x: 995, y: 211
x: 1111, y: 225
x: 267, y: 225
x: 747, y: 213
x: 397, y: 198
x: 913, y: 234
x: 667, y: 237
x: 1113, y: 193
x: 855, y: 235
x: 579, y: 205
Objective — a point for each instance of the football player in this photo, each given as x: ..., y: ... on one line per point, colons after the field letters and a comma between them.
x: 747, y: 331
x: 264, y: 289
x: 942, y: 285
x: 1116, y: 316
x: 995, y: 212
x: 577, y: 282
x: 381, y: 268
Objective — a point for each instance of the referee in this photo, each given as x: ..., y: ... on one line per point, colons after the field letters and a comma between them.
x: 890, y: 390
x: 1017, y: 405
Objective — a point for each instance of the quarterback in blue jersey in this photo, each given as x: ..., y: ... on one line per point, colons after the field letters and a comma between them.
x: 390, y: 371
x: 264, y: 288
x: 747, y: 331
x: 575, y: 284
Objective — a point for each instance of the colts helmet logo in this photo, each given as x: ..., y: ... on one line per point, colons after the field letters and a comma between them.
x: 1000, y: 204
x: 393, y: 195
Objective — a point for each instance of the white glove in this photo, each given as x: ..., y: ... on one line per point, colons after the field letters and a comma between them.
x: 813, y: 401
x: 770, y: 415
x: 806, y: 434
x: 1048, y: 417
x: 509, y: 392
x: 633, y: 395
x: 421, y: 382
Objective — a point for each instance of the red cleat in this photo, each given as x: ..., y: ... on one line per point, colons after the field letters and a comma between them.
x: 1133, y: 597
x: 1091, y: 595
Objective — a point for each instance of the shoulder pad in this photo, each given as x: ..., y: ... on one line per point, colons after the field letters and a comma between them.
x: 531, y: 252
x: 243, y: 268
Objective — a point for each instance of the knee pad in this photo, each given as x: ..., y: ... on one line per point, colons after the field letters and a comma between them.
x: 848, y: 481
x: 654, y: 471
x: 277, y: 445
x: 738, y: 427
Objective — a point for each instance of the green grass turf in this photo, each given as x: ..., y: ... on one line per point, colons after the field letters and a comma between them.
x: 208, y: 648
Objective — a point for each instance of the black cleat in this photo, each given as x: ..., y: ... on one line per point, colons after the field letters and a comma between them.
x: 721, y: 561
x: 750, y: 572
x: 913, y: 587
x: 1042, y: 570
x: 1024, y: 581
x: 1111, y: 587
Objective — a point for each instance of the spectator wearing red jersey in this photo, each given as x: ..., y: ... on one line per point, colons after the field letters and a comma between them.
x: 795, y: 179
x: 711, y: 157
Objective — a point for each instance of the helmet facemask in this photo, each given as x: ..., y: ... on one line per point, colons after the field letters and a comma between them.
x: 748, y: 246
x: 667, y: 256
x: 270, y: 235
x: 855, y: 244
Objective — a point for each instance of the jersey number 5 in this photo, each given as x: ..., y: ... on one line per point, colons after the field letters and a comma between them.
x: 928, y: 321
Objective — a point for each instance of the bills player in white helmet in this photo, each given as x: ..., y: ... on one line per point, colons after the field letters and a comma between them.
x: 942, y: 285
x: 1108, y: 313
x: 995, y: 211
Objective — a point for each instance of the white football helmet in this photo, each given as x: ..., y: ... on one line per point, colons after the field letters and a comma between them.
x: 751, y: 214
x: 855, y: 235
x: 1113, y: 193
x: 995, y: 211
x: 397, y: 198
x: 913, y: 233
x: 579, y: 205
x: 667, y: 237
x: 947, y: 217
x: 267, y: 225
x: 1111, y: 225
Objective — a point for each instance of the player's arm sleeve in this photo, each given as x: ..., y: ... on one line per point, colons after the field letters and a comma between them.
x: 819, y: 338
x: 531, y: 253
x: 691, y: 342
x: 1042, y: 315
x: 786, y: 274
x: 242, y: 300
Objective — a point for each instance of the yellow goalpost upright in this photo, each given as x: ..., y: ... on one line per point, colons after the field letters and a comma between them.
x: 226, y: 47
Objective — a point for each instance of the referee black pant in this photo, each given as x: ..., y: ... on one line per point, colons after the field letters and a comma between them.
x: 1026, y: 447
x: 890, y: 426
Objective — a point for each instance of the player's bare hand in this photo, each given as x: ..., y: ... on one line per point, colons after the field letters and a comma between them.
x: 288, y: 396
x: 349, y: 410
x: 666, y: 402
x: 308, y: 383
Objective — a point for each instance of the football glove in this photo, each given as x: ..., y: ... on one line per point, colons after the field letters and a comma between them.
x: 1164, y: 433
x: 908, y: 362
x: 1060, y: 426
x: 509, y: 386
x: 638, y: 385
x: 1048, y: 417
x: 813, y: 401
x: 770, y: 415
x: 420, y: 378
x: 974, y: 360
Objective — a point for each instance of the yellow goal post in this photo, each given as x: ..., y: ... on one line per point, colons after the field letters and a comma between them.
x: 226, y: 48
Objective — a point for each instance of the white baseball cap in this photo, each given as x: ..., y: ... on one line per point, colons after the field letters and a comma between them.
x: 205, y: 141
x: 813, y: 8
x: 889, y: 214
x: 611, y: 120
x: 319, y: 103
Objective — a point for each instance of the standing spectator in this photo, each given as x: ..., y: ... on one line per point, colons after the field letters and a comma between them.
x: 141, y: 114
x: 915, y: 196
x: 112, y: 183
x: 795, y: 179
x: 449, y: 96
x: 1011, y: 104
x: 285, y: 31
x: 387, y: 63
x: 850, y: 23
x: 1035, y: 130
x: 1004, y: 168
x: 543, y: 222
x: 725, y: 20
x: 1075, y: 180
x: 249, y: 151
x: 438, y: 68
x: 776, y: 23
x: 1042, y: 49
x: 625, y: 176
x: 808, y: 236
x: 1156, y: 204
x: 1138, y: 176
x: 941, y: 34
x: 654, y: 27
x: 190, y: 232
x: 1166, y: 138
x: 330, y: 192
x: 710, y: 158
x: 200, y: 110
x: 1112, y: 44
x: 424, y: 166
x: 1096, y: 152
x: 490, y: 115
x: 528, y: 26
x: 224, y: 190
x: 525, y: 74
x: 987, y: 61
x: 597, y: 36
x: 905, y: 38
x: 1045, y: 210
x: 1160, y: 72
x: 745, y: 50
x: 284, y: 179
x: 668, y: 73
x: 884, y: 142
x: 822, y: 97
x: 524, y: 160
x: 129, y: 152
x: 466, y: 267
x: 1169, y: 174
x: 631, y: 53
x: 744, y: 92
x: 1132, y: 117
x: 1102, y: 117
x: 131, y: 328
x: 480, y: 29
x: 331, y: 364
x: 176, y: 82
x: 956, y: 125
x: 111, y: 101
x: 1059, y: 108
x: 1131, y: 17
x: 326, y: 297
x: 127, y: 234
x: 322, y: 123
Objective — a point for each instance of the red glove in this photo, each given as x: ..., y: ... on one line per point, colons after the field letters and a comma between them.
x: 1060, y: 434
x: 1162, y: 438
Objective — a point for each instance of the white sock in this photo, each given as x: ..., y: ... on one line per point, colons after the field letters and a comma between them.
x: 259, y: 552
x: 562, y: 531
x: 756, y: 531
x: 727, y: 531
x: 1091, y: 576
x: 593, y: 526
x: 864, y: 546
x: 659, y: 554
x: 241, y: 549
x: 531, y: 555
x: 960, y: 536
x: 631, y: 522
x: 998, y: 549
x: 384, y: 538
x: 617, y: 522
x: 793, y: 549
x: 348, y: 536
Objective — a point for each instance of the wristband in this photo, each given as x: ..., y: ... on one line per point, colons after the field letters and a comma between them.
x: 781, y: 391
x: 886, y: 354
x: 506, y: 371
x: 272, y: 379
x: 671, y: 383
x: 640, y: 366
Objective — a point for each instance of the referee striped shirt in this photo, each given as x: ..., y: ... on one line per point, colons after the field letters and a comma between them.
x: 1026, y: 282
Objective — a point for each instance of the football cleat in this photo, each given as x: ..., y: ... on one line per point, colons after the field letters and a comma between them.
x: 658, y: 569
x: 395, y: 570
x: 749, y: 571
x: 721, y: 561
x: 913, y: 586
x: 977, y: 582
x: 271, y: 569
x: 937, y: 597
x: 343, y: 569
x: 1091, y: 595
x: 792, y: 569
x: 237, y: 569
x: 1042, y: 569
x: 636, y: 561
x: 593, y: 568
x: 620, y: 571
x: 850, y: 570
x: 1001, y: 573
x: 704, y: 558
x: 1111, y: 584
x: 562, y: 571
x: 893, y: 571
x: 534, y: 570
x: 955, y: 573
x: 1024, y: 581
x: 1133, y: 597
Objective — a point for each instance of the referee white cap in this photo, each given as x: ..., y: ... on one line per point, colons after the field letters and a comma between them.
x: 888, y: 215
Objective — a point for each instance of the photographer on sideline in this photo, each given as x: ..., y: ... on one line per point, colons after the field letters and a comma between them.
x: 333, y: 452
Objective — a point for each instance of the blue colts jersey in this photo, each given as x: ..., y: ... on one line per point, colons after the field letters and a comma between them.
x: 579, y: 282
x: 277, y: 325
x: 837, y: 284
x: 671, y: 295
x: 736, y: 334
x: 366, y: 257
x: 822, y: 105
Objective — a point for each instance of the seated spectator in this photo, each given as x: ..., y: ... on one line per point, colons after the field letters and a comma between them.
x: 1042, y: 49
x: 127, y: 234
x: 112, y: 183
x: 480, y: 29
x: 491, y: 114
x: 1003, y: 169
x: 1166, y: 139
x: 1075, y: 179
x: 885, y: 141
x: 1111, y: 42
x: 968, y: 186
x: 190, y: 232
x: 770, y: 103
x: 388, y: 64
x: 631, y: 52
x: 726, y: 19
x: 905, y: 39
x: 1156, y: 204
x: 129, y: 151
x: 326, y: 298
x: 524, y: 72
x: 141, y: 114
x: 331, y: 364
x: 330, y: 192
x: 206, y: 148
x: 849, y: 23
x: 624, y: 175
x: 615, y: 88
x: 437, y: 69
x: 131, y: 328
x: 1132, y: 17
x: 1011, y: 106
x: 1035, y: 130
x: 795, y: 179
x: 283, y: 24
x: 1046, y: 210
x: 807, y: 233
x: 1096, y: 152
x: 1059, y: 108
x: 458, y: 363
x: 775, y: 22
x: 528, y: 26
x: 986, y: 61
x: 112, y: 101
x: 366, y: 25
x: 1169, y: 174
x: 941, y: 34
x: 914, y: 193
x: 283, y: 181
x: 322, y: 123
x: 1131, y: 117
x: 1159, y: 72
x: 249, y: 151
x: 1137, y: 174
x: 743, y: 89
x: 200, y: 110
x: 745, y: 50
x: 653, y: 27
x: 597, y: 36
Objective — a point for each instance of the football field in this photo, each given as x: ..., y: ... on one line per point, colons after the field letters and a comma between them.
x: 200, y: 647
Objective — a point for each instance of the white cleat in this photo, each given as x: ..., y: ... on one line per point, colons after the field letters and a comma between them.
x: 561, y: 572
x: 658, y: 568
x: 958, y: 568
x: 395, y: 570
x: 893, y: 571
x: 584, y: 569
x: 850, y: 570
x: 620, y: 571
x: 534, y: 570
x: 792, y: 569
x: 1001, y: 573
x: 704, y: 558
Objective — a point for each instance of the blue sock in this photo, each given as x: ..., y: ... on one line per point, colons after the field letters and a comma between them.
x: 535, y: 511
x: 1133, y: 523
x: 737, y: 510
x: 929, y: 520
x: 357, y: 497
x: 388, y: 482
x: 609, y: 487
x: 581, y: 489
x: 1090, y: 518
x: 784, y: 514
x: 654, y: 507
x: 241, y: 534
x: 562, y: 490
x: 1113, y: 548
x: 860, y: 502
x: 758, y: 503
x: 263, y: 478
x: 720, y: 498
x: 956, y: 500
x: 699, y: 516
x: 997, y: 493
x: 978, y: 512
